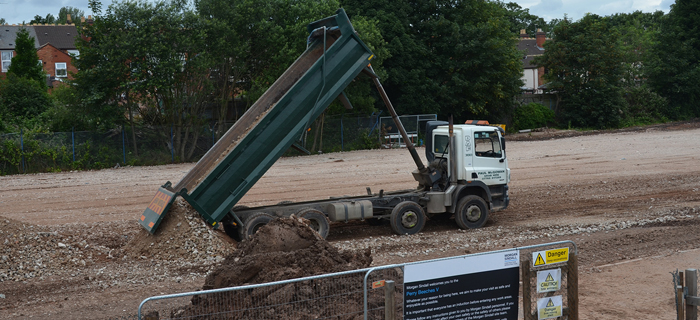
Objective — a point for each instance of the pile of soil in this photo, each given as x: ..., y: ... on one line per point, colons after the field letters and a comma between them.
x: 182, y: 236
x: 286, y: 248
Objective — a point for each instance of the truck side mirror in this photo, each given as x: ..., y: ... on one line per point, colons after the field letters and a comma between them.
x: 503, y: 143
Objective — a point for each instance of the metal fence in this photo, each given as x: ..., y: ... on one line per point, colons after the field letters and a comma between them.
x: 685, y: 285
x: 372, y: 293
x: 24, y: 152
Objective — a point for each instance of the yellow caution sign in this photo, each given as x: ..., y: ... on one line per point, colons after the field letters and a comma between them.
x: 548, y: 280
x: 541, y: 258
x: 548, y: 308
x: 539, y: 261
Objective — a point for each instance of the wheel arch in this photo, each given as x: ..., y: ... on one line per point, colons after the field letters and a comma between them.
x: 476, y: 188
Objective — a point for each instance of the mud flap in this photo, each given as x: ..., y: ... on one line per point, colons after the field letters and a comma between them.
x: 154, y: 214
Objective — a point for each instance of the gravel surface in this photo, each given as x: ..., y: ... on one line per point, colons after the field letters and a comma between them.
x: 70, y: 246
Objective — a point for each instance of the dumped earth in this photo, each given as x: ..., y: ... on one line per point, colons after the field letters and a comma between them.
x: 284, y: 249
x: 70, y: 247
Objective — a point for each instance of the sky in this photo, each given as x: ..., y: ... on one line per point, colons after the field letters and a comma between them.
x: 17, y: 11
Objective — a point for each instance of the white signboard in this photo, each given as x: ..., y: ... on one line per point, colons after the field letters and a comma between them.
x: 548, y: 308
x: 549, y: 280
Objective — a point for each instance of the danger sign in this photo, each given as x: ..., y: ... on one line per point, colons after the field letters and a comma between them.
x: 549, y: 280
x: 548, y: 308
x: 541, y: 258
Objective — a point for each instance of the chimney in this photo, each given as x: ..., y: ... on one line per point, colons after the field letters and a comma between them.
x: 541, y: 36
x: 68, y: 21
x: 523, y: 34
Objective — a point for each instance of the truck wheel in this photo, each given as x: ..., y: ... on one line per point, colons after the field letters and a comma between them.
x: 319, y: 222
x: 253, y: 223
x: 407, y: 217
x: 471, y: 212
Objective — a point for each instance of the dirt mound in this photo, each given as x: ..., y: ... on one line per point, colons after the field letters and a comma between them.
x: 285, y: 248
x: 182, y: 235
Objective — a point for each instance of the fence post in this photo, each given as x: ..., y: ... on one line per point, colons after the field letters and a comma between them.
x: 123, y: 145
x: 527, y: 298
x: 691, y: 284
x: 572, y: 287
x: 21, y: 146
x: 172, y: 144
x: 389, y: 304
x: 72, y: 140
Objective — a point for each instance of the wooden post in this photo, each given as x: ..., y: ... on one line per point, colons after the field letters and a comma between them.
x: 527, y: 299
x: 389, y: 304
x: 691, y: 283
x: 680, y: 303
x: 572, y: 287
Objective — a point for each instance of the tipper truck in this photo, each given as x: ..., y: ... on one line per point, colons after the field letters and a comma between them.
x: 467, y: 173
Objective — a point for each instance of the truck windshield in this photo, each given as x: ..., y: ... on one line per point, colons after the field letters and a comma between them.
x: 441, y: 145
x: 487, y: 144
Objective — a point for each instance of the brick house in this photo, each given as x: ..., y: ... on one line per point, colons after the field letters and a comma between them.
x: 54, y: 44
x: 533, y: 77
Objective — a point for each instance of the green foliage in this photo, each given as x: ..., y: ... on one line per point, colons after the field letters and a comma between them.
x: 455, y: 58
x: 520, y: 19
x: 21, y: 100
x: 585, y: 68
x: 74, y: 13
x: 674, y: 71
x: 645, y: 106
x: 49, y: 19
x: 25, y: 63
x: 532, y: 115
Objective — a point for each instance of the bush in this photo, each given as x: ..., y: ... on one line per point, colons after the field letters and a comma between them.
x: 532, y: 115
x: 644, y: 106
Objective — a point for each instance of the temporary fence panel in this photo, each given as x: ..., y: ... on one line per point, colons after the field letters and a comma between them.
x: 372, y: 293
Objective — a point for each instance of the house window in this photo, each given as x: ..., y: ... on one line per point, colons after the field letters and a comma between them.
x: 61, y: 70
x: 6, y: 58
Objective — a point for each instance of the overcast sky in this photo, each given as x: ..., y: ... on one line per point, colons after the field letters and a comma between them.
x: 16, y: 11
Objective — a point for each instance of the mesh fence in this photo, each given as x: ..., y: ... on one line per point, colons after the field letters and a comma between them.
x: 346, y: 295
x: 153, y: 145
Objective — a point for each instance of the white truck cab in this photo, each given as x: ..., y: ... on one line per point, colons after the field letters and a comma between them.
x: 474, y: 180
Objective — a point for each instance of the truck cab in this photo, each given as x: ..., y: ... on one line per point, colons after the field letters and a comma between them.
x: 478, y: 167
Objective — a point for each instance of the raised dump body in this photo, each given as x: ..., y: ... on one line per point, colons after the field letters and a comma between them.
x: 334, y: 57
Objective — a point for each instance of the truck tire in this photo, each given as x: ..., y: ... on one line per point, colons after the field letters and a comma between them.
x: 407, y: 217
x: 253, y: 223
x: 471, y: 212
x: 319, y: 222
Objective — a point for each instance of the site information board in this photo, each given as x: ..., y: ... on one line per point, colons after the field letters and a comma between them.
x: 483, y: 287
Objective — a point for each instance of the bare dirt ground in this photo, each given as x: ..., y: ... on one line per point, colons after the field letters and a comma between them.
x: 70, y: 247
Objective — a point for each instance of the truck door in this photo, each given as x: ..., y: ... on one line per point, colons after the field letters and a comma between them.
x: 489, y: 160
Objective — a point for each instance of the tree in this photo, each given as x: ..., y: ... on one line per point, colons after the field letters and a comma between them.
x: 49, y: 19
x: 74, y: 13
x: 584, y: 67
x: 2, y: 21
x: 447, y: 57
x: 520, y: 19
x: 21, y: 100
x: 25, y: 64
x: 253, y: 42
x: 146, y: 58
x: 674, y: 70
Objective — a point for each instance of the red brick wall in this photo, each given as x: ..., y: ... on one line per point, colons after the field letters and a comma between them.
x: 49, y: 55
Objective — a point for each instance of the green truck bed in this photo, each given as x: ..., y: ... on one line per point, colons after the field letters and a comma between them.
x: 334, y: 57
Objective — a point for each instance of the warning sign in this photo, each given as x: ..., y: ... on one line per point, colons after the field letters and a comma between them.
x: 548, y: 308
x: 541, y: 258
x: 549, y: 280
